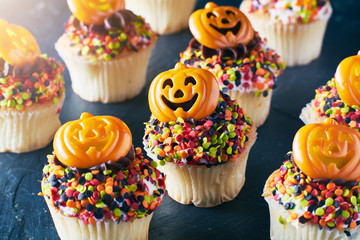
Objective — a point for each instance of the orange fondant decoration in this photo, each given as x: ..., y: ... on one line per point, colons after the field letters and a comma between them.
x: 17, y: 45
x: 183, y: 92
x: 347, y: 78
x: 90, y: 141
x: 94, y: 11
x: 220, y: 27
x: 328, y: 151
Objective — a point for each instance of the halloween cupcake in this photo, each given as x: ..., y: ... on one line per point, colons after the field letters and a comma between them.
x: 199, y: 136
x: 226, y: 44
x: 339, y: 98
x: 31, y: 91
x: 96, y: 185
x: 106, y: 49
x: 294, y: 28
x: 315, y: 193
x: 164, y: 16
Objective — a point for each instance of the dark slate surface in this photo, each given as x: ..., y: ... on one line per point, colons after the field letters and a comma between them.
x: 24, y: 215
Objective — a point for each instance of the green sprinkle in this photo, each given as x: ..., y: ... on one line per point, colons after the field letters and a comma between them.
x: 281, y: 221
x: 85, y: 50
x: 8, y: 91
x: 346, y: 192
x: 55, y: 100
x: 289, y: 165
x: 290, y: 191
x: 180, y: 120
x: 11, y: 103
x: 199, y: 149
x: 206, y: 145
x: 319, y: 211
x: 111, y: 45
x: 229, y: 150
x: 46, y: 169
x: 99, y: 205
x: 80, y: 188
x: 153, y: 164
x: 231, y: 128
x: 355, y: 107
x: 25, y: 95
x: 329, y: 111
x: 353, y: 200
x: 303, y: 203
x: 330, y: 224
x: 345, y: 214
x: 161, y: 162
x: 19, y: 107
x: 122, y: 37
x: 344, y: 109
x: 285, y: 197
x: 258, y: 94
x: 91, y: 188
x: 107, y: 57
x: 3, y: 80
x: 88, y: 176
x: 117, y: 212
x: 329, y: 202
x: 107, y: 172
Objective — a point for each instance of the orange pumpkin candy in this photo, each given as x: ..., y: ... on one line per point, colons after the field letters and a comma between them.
x: 347, y: 78
x: 94, y: 11
x: 328, y: 151
x: 17, y: 45
x: 92, y: 140
x: 220, y: 27
x: 183, y: 92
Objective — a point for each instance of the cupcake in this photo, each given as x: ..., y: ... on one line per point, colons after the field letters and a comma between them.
x: 96, y: 185
x: 199, y: 137
x: 339, y: 98
x: 225, y: 44
x: 31, y: 91
x: 106, y: 49
x: 315, y: 193
x: 294, y: 28
x: 164, y: 16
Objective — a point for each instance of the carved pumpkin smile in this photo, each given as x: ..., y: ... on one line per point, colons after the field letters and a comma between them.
x: 183, y: 92
x: 224, y: 31
x: 185, y: 105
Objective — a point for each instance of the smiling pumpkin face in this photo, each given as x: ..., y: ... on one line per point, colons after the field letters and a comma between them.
x: 347, y: 79
x: 94, y: 11
x: 92, y: 140
x: 17, y: 45
x: 220, y: 26
x: 183, y: 92
x: 328, y: 151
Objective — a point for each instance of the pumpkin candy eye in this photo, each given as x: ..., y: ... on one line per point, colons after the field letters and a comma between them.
x: 220, y: 26
x: 328, y: 151
x: 183, y: 92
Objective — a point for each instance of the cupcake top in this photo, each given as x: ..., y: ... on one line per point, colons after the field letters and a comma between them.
x: 318, y: 183
x: 103, y: 30
x: 339, y: 99
x: 226, y: 44
x: 293, y: 11
x: 95, y: 174
x: 26, y: 76
x: 210, y: 130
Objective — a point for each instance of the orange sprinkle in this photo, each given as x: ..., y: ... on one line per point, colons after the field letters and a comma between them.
x: 91, y: 220
x: 161, y: 153
x: 224, y: 158
x: 84, y: 203
x: 184, y: 154
x: 109, y: 189
x: 293, y: 216
x: 152, y: 205
x: 100, y: 187
x: 123, y: 191
x: 353, y: 225
x: 308, y: 188
x: 340, y: 226
x: 330, y: 186
x: 70, y: 203
x: 282, y: 189
x: 95, y: 172
x: 307, y: 215
x: 338, y: 192
x: 74, y: 184
x: 177, y: 148
x: 145, y: 204
x: 77, y: 204
x: 322, y: 222
x: 167, y: 148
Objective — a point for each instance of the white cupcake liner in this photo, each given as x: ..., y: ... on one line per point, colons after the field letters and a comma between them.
x: 31, y: 129
x: 72, y: 228
x: 164, y: 16
x: 310, y: 115
x: 105, y: 81
x: 257, y: 108
x: 298, y: 231
x: 297, y: 44
x: 206, y: 187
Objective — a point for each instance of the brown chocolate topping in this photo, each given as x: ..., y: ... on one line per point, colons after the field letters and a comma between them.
x: 6, y: 69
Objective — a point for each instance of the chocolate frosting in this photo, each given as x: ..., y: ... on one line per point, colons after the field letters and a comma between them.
x: 6, y: 69
x: 117, y: 21
x: 232, y: 52
x: 120, y: 164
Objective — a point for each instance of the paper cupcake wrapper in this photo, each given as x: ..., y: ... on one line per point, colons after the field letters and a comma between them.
x: 164, y: 16
x: 310, y: 115
x: 105, y: 81
x: 72, y: 228
x: 206, y: 187
x: 31, y: 129
x: 257, y: 108
x: 297, y: 44
x: 298, y: 231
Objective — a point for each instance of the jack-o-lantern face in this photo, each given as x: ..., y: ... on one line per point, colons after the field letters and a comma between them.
x: 17, y: 45
x: 347, y: 78
x: 328, y: 151
x: 91, y: 141
x: 94, y: 11
x: 220, y: 27
x: 183, y: 92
